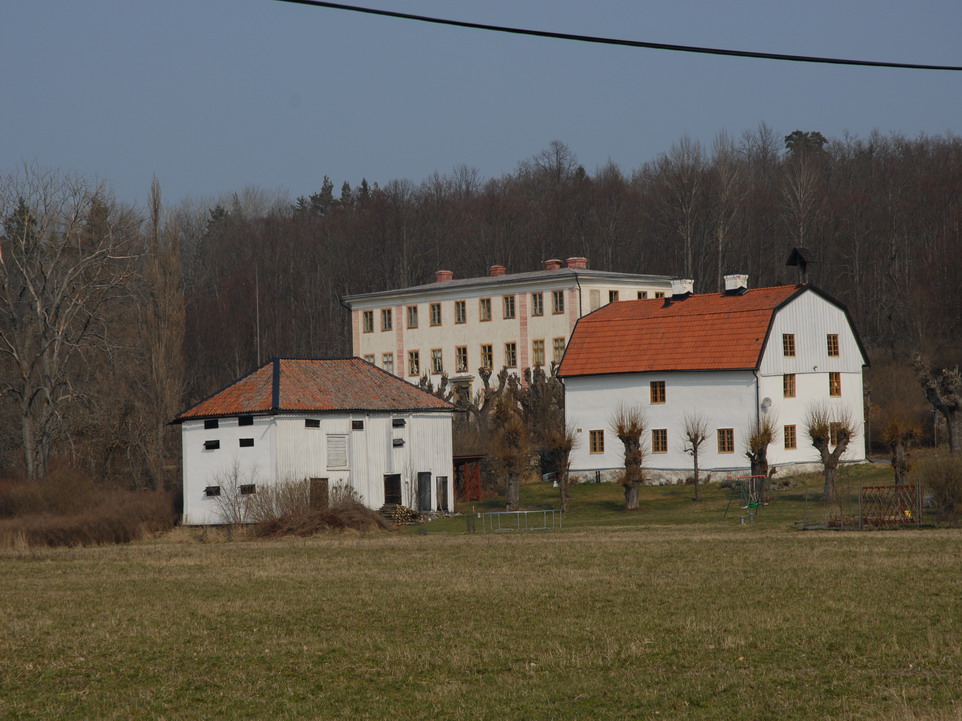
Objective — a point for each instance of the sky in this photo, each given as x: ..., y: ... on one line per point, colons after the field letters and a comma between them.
x: 213, y: 96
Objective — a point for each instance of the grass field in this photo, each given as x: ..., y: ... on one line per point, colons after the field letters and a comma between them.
x: 670, y: 612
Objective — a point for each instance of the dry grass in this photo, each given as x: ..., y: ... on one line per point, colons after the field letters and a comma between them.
x: 641, y: 621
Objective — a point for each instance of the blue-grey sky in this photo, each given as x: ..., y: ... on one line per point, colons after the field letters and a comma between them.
x: 215, y: 95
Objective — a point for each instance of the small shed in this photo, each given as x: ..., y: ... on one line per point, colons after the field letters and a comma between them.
x: 327, y: 420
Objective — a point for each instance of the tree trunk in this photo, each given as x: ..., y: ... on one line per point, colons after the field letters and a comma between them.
x: 953, y: 424
x: 900, y: 462
x: 631, y: 496
x: 697, y: 487
x: 512, y: 491
x: 831, y: 473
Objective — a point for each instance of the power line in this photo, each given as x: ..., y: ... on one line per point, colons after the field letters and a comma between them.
x: 624, y: 43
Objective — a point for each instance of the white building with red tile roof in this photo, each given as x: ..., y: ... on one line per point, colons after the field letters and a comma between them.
x: 331, y: 421
x: 501, y: 320
x: 734, y: 358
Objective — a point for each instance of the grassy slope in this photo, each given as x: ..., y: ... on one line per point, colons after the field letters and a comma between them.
x: 658, y: 614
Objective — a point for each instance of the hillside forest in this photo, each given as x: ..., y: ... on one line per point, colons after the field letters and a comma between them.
x: 113, y: 318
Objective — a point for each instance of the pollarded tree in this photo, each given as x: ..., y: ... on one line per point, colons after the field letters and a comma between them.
x: 628, y: 423
x: 943, y: 389
x: 695, y: 434
x: 830, y: 430
x: 760, y: 436
x: 65, y: 258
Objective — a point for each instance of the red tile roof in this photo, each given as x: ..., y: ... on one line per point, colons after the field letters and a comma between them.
x: 712, y: 331
x: 313, y: 385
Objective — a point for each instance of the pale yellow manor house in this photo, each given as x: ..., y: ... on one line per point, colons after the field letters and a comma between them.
x: 510, y: 320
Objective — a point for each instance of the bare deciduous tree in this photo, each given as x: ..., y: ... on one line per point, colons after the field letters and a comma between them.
x: 695, y: 434
x: 759, y: 437
x: 628, y: 423
x: 943, y: 389
x: 66, y: 257
x: 830, y: 430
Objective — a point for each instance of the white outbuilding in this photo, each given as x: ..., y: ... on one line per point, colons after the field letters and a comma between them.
x: 331, y: 421
x: 732, y: 358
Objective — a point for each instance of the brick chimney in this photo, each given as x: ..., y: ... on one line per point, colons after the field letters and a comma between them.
x: 578, y: 263
x: 443, y: 276
x: 497, y: 270
x: 553, y: 264
x: 736, y: 283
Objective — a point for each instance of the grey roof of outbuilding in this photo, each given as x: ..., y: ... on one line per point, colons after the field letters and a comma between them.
x: 510, y: 278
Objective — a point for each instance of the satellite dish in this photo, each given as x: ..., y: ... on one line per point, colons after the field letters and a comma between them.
x: 766, y: 404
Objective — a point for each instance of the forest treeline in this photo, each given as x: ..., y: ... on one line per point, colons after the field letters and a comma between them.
x: 114, y: 318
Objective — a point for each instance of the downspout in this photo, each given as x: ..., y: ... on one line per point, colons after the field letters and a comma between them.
x: 578, y: 283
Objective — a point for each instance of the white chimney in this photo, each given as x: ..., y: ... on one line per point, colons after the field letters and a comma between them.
x: 736, y: 282
x: 681, y: 286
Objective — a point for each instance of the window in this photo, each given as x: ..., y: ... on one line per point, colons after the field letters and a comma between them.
x: 437, y: 365
x: 557, y: 301
x: 397, y: 443
x: 368, y: 321
x: 537, y: 304
x: 336, y: 451
x: 412, y: 316
x: 398, y: 423
x: 659, y: 440
x: 460, y: 311
x: 369, y: 358
x: 387, y: 361
x: 557, y: 349
x: 656, y: 389
x: 596, y: 441
x: 642, y: 294
x: 484, y: 309
x: 312, y: 423
x: 788, y: 345
x: 212, y: 491
x: 461, y: 359
x: 210, y: 424
x: 834, y: 431
x: 508, y: 302
x: 357, y: 425
x: 487, y: 357
x: 414, y: 363
x: 211, y: 445
x: 835, y: 384
x: 387, y: 319
x: 246, y: 442
x: 613, y: 296
x: 510, y: 355
x: 726, y: 440
x: 248, y: 489
x: 659, y: 294
x: 435, y: 314
x: 245, y: 420
x: 537, y: 352
x: 832, y: 342
x: 788, y: 433
x: 788, y: 385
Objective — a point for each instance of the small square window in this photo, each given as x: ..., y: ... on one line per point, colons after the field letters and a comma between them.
x: 726, y: 440
x: 248, y: 489
x: 210, y: 424
x: 211, y: 445
x: 369, y: 358
x: 659, y: 294
x: 397, y: 442
x: 613, y: 296
x: 642, y: 294
x: 245, y: 420
x: 398, y: 422
x: 212, y: 491
x: 357, y: 425
x: 246, y: 442
x: 312, y: 423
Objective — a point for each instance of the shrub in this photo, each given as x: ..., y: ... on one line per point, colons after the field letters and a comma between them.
x: 942, y: 478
